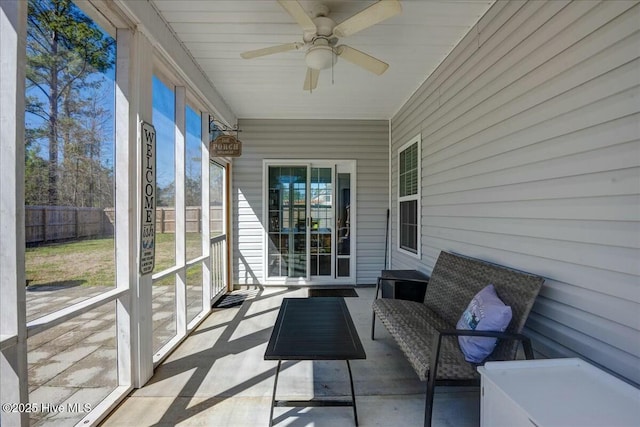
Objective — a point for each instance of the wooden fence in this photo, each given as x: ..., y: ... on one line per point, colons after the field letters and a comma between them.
x: 58, y: 223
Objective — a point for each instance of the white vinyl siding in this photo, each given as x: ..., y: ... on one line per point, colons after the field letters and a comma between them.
x: 366, y: 141
x: 531, y: 159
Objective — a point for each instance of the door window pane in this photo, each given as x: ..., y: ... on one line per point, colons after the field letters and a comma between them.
x: 343, y: 209
x: 287, y: 221
x: 321, y: 221
x: 216, y: 199
x: 217, y: 227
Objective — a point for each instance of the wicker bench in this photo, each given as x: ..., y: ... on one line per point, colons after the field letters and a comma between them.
x: 426, y: 332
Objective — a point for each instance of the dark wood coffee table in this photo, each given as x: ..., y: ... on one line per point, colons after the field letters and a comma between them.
x: 314, y: 329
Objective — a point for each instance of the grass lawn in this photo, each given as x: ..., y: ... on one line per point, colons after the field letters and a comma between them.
x: 92, y: 262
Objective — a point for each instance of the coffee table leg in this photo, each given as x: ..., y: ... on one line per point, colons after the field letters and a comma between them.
x: 353, y: 395
x: 275, y: 385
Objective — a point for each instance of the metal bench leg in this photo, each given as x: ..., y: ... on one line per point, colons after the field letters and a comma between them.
x: 431, y: 379
x: 273, y: 398
x: 373, y: 315
x: 353, y: 394
x: 428, y: 408
x: 373, y: 325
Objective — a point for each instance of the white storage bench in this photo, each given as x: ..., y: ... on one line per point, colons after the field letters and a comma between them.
x: 555, y: 392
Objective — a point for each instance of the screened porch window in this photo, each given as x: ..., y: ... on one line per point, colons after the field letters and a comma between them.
x: 409, y: 196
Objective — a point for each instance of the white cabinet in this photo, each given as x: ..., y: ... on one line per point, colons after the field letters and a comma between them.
x: 555, y: 392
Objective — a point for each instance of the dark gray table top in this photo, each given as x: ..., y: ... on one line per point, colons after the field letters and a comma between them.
x: 314, y: 329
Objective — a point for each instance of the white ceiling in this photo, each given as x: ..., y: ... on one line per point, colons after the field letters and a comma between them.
x: 412, y: 43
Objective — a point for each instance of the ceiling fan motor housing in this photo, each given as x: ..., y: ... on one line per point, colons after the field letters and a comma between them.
x: 324, y: 28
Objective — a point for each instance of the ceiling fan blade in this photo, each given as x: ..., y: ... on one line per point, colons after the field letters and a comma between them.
x: 271, y: 50
x: 372, y: 15
x: 296, y: 11
x: 311, y: 80
x: 361, y: 59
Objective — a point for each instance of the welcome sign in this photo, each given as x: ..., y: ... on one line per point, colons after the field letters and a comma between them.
x: 148, y: 202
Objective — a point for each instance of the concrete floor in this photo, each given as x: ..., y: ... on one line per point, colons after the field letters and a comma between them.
x: 218, y: 377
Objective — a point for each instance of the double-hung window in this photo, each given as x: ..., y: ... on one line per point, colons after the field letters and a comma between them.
x: 409, y: 197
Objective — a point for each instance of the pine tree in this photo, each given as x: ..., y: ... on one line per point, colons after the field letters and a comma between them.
x: 66, y: 52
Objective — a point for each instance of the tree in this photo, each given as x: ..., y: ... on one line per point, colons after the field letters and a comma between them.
x: 166, y: 195
x: 35, y: 171
x: 85, y: 181
x: 65, y: 51
x: 193, y: 191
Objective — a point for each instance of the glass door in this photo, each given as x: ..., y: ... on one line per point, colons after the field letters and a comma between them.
x: 308, y: 210
x: 287, y: 221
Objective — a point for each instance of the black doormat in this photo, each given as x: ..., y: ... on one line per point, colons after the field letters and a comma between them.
x: 235, y: 298
x: 342, y: 292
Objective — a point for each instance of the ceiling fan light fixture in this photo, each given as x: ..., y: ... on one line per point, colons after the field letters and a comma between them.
x: 320, y: 57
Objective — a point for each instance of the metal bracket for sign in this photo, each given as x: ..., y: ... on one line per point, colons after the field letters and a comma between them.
x: 216, y: 125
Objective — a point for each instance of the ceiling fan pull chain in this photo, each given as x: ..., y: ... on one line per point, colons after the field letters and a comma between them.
x: 332, y: 64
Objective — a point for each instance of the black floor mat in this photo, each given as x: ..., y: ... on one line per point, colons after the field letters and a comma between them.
x: 342, y: 292
x: 235, y: 298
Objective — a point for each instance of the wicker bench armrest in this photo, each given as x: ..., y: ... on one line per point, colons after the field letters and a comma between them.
x: 526, y: 342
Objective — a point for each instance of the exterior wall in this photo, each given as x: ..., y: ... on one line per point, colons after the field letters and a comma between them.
x: 531, y: 159
x: 366, y: 141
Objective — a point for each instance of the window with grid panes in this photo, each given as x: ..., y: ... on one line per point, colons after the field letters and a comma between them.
x: 409, y: 196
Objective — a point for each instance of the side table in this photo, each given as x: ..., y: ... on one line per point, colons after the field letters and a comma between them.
x: 402, y: 284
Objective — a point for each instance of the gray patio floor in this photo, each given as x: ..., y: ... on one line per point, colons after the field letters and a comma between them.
x: 218, y: 377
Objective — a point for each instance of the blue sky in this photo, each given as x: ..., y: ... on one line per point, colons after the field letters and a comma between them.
x: 164, y: 123
x: 163, y: 120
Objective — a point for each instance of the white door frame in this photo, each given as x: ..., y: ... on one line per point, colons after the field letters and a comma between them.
x: 345, y: 166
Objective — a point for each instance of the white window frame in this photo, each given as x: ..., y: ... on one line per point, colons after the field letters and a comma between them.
x: 417, y: 197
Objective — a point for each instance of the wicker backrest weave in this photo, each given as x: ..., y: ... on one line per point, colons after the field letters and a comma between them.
x: 455, y: 279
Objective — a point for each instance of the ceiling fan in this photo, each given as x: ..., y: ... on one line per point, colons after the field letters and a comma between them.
x: 321, y: 33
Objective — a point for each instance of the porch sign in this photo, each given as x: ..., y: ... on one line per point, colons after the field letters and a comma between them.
x: 148, y: 202
x: 225, y: 146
